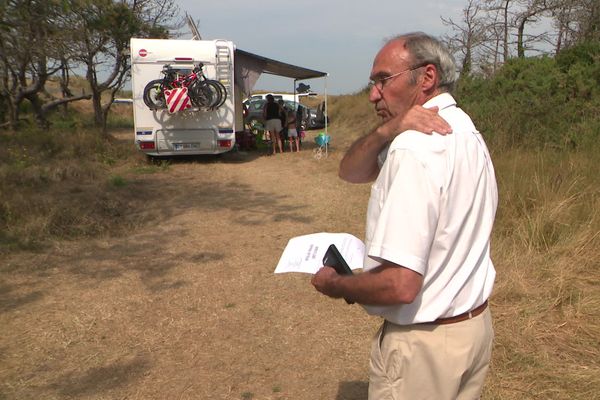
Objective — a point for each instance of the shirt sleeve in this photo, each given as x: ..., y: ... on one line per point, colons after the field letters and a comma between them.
x: 408, y: 197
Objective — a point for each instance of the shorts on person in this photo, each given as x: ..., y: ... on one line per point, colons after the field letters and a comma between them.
x: 273, y: 125
x: 292, y: 132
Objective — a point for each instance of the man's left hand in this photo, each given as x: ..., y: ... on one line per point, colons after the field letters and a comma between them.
x: 324, y: 281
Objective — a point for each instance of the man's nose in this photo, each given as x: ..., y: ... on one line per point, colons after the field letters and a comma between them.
x: 374, y: 94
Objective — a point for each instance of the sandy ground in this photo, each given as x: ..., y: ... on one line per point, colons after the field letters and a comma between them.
x: 189, y: 307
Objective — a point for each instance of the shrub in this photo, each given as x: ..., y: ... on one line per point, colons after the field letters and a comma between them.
x: 536, y: 102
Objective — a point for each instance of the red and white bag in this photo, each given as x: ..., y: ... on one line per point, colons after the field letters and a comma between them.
x: 177, y: 99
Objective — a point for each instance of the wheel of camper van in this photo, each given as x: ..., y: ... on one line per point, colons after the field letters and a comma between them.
x: 154, y: 97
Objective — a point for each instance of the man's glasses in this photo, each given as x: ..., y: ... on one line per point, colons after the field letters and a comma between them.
x: 379, y: 83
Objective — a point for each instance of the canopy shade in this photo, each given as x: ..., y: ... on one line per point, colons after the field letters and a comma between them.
x: 249, y: 67
x: 274, y: 67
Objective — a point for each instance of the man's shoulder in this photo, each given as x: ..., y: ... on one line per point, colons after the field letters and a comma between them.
x: 442, y: 101
x: 417, y: 141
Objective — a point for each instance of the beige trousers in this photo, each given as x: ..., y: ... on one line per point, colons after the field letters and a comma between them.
x: 431, y: 362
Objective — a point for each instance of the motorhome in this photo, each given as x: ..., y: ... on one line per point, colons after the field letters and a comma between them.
x: 172, y: 119
x: 192, y: 130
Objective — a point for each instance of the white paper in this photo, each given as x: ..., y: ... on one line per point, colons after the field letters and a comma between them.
x: 305, y: 253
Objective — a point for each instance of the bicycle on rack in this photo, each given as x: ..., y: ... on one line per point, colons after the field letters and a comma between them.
x: 203, y: 92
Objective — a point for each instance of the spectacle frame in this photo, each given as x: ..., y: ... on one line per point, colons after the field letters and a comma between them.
x: 379, y: 83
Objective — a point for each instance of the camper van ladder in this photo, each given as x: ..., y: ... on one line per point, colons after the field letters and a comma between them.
x: 224, y: 66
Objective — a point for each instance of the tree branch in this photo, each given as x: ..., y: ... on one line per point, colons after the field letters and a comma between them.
x: 55, y: 103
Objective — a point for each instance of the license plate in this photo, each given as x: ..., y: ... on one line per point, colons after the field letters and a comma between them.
x: 185, y: 146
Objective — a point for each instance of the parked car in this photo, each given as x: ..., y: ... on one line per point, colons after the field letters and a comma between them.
x: 313, y: 122
x: 255, y: 107
x: 317, y: 117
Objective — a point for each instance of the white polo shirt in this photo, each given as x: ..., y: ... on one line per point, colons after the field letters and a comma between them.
x: 431, y: 210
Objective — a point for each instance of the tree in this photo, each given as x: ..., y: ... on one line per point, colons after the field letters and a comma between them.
x: 40, y: 39
x: 531, y: 12
x: 494, y: 30
x: 104, y: 28
x: 31, y: 52
x: 475, y: 38
x: 577, y: 20
x: 502, y: 12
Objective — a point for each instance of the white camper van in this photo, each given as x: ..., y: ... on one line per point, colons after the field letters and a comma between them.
x: 180, y: 120
x: 192, y: 129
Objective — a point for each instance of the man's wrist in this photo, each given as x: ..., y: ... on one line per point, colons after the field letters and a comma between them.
x: 383, y: 134
x: 337, y: 286
x: 379, y: 141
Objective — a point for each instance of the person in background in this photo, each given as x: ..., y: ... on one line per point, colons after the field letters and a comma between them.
x: 427, y: 269
x: 300, y: 127
x: 292, y: 132
x: 271, y: 115
x: 283, y: 118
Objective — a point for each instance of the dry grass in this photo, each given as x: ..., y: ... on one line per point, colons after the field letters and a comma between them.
x: 352, y: 116
x: 175, y: 296
x: 62, y: 184
x: 546, y: 299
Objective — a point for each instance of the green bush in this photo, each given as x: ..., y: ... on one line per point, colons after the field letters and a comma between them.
x: 585, y: 53
x: 536, y: 102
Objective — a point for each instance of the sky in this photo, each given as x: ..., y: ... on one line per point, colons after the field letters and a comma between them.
x: 339, y: 37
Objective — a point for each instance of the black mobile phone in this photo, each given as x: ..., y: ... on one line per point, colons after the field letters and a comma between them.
x: 334, y: 259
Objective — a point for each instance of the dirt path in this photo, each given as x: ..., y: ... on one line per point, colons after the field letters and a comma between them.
x: 188, y: 307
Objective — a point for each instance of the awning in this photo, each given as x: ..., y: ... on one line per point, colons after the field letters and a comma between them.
x: 249, y: 67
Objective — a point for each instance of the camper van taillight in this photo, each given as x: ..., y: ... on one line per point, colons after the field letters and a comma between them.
x: 184, y: 59
x: 146, y: 145
x: 224, y: 143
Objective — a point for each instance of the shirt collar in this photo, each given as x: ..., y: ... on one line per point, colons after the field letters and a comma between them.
x: 443, y: 100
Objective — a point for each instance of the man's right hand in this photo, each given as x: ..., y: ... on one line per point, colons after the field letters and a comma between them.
x: 418, y: 118
x: 359, y: 164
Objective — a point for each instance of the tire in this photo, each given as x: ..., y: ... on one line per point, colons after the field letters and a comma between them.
x: 218, y: 93
x: 221, y: 90
x: 154, y: 97
x: 208, y: 93
x: 201, y: 94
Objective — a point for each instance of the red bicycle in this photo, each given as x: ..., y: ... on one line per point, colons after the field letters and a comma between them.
x: 203, y: 92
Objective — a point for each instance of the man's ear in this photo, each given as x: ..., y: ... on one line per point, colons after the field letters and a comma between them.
x: 429, y: 78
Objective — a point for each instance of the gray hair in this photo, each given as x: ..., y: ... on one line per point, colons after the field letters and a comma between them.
x: 425, y: 49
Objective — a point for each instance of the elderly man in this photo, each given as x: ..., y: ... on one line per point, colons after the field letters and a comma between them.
x: 427, y: 268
